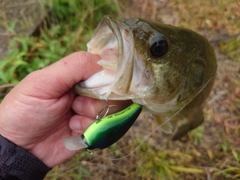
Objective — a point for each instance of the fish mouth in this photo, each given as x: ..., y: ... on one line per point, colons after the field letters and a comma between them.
x: 113, y: 41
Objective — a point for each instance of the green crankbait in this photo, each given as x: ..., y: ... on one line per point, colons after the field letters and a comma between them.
x: 103, y: 132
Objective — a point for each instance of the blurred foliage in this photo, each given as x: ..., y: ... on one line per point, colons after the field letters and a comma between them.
x: 197, y: 134
x: 157, y: 162
x: 67, y: 27
x: 221, y: 17
x: 73, y: 169
x: 232, y: 47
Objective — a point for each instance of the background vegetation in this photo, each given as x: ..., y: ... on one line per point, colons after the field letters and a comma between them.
x: 211, y: 151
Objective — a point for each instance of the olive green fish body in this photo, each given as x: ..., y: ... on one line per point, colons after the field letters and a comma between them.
x: 168, y: 70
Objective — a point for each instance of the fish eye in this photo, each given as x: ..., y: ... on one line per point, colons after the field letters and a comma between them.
x: 158, y: 46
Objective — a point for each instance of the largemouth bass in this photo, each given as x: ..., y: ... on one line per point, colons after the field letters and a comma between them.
x: 168, y: 70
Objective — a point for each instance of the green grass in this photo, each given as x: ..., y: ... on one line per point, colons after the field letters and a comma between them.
x: 232, y: 47
x: 68, y: 26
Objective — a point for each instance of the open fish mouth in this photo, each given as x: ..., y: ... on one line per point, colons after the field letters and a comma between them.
x: 121, y: 74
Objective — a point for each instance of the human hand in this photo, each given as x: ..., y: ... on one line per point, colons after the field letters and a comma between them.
x: 43, y: 108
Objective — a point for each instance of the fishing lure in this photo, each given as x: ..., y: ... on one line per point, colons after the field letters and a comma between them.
x: 105, y: 131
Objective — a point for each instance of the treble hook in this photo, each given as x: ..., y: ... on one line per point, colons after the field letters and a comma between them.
x: 106, y: 110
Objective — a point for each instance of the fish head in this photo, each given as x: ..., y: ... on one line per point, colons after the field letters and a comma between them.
x: 152, y: 64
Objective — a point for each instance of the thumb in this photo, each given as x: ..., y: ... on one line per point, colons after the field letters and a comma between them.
x: 58, y: 78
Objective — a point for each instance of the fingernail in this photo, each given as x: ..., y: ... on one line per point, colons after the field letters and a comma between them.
x: 75, y: 125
